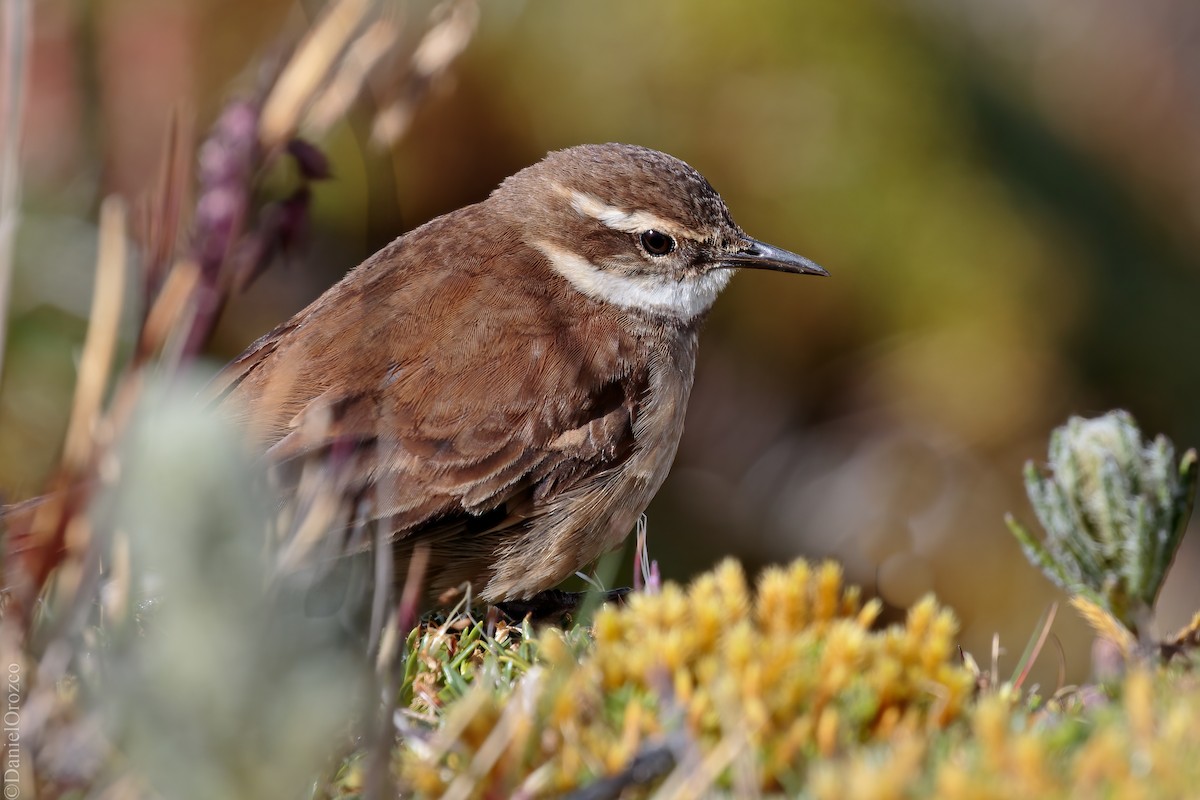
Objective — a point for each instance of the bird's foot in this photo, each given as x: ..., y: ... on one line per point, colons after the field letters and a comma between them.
x: 555, y: 607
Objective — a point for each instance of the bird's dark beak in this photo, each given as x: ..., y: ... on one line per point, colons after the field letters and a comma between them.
x: 754, y: 254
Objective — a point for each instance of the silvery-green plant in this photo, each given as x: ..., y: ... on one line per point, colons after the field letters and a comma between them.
x: 1114, y: 507
x: 231, y: 684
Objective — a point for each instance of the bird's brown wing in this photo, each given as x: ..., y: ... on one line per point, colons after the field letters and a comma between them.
x: 244, y: 365
x: 452, y: 395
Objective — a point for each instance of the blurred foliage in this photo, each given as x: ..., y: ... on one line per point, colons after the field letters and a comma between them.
x: 180, y: 663
x: 227, y: 678
x: 1004, y: 194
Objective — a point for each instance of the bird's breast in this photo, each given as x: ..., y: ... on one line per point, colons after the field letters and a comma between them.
x: 578, y: 526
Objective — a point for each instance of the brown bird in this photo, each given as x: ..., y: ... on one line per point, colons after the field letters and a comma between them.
x: 506, y: 384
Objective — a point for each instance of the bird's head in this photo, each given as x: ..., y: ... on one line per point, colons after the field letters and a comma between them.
x: 635, y: 227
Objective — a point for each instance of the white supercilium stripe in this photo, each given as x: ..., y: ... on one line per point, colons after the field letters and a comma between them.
x: 683, y: 299
x: 620, y: 219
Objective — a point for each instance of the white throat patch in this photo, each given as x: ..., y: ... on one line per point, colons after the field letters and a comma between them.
x: 682, y: 299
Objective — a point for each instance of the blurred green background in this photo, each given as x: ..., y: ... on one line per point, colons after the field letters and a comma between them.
x: 1006, y: 194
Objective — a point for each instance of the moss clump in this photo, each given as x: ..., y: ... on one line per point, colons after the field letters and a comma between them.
x: 752, y: 685
x: 1142, y: 743
x: 716, y: 689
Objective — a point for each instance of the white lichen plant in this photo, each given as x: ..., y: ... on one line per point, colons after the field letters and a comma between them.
x: 1114, y: 507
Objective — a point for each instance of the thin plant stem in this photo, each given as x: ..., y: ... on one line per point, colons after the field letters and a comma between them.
x: 14, y: 70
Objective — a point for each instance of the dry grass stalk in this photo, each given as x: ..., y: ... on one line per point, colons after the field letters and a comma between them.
x: 160, y: 215
x: 362, y: 57
x: 444, y: 42
x: 170, y: 309
x: 100, y: 346
x: 53, y: 529
x: 14, y: 71
x: 312, y: 66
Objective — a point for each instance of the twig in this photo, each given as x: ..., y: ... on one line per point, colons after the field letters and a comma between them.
x: 647, y: 767
x: 696, y: 779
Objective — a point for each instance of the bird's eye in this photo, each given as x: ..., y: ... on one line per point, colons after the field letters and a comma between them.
x: 657, y: 243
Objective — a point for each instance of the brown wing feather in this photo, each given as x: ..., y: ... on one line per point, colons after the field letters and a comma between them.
x: 463, y: 392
